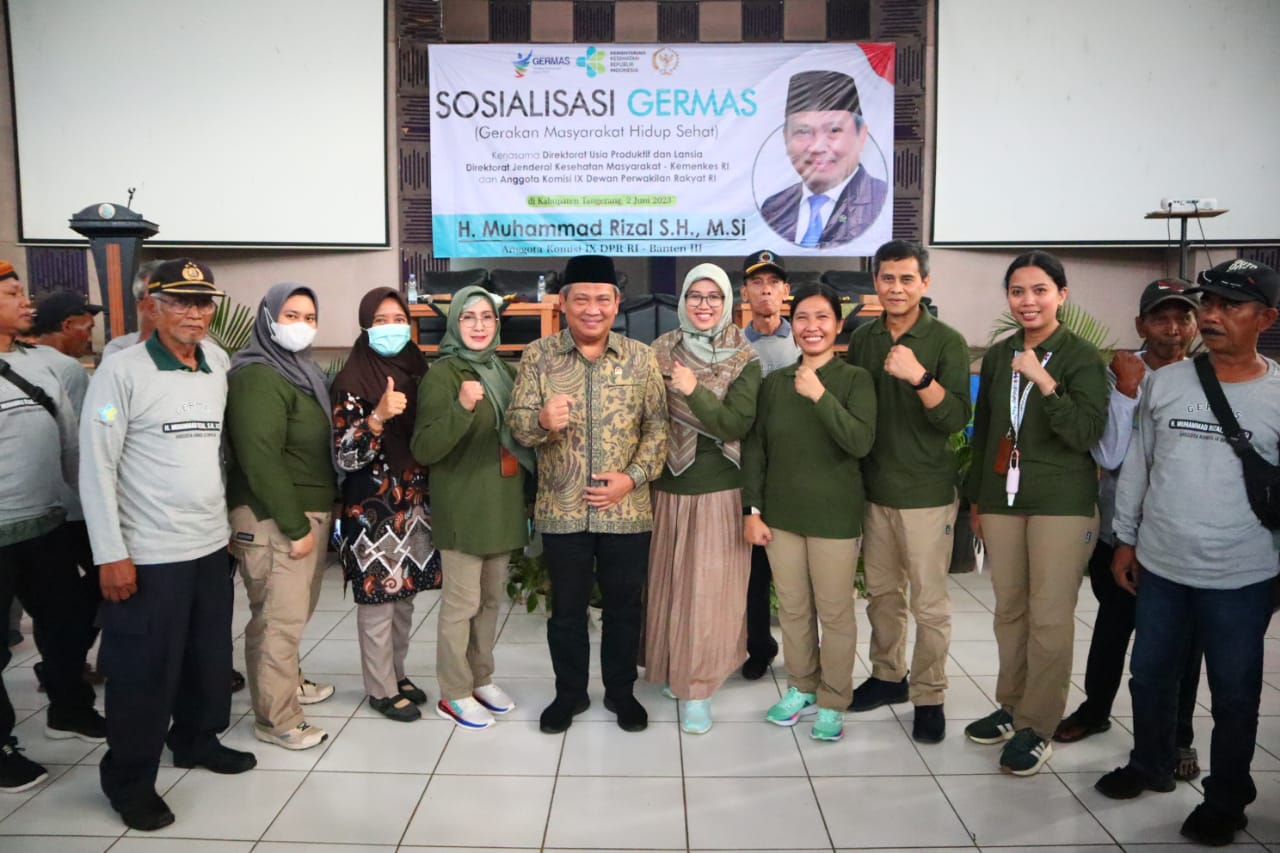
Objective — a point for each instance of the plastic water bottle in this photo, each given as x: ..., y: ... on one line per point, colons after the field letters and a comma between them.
x: 412, y: 294
x: 542, y: 286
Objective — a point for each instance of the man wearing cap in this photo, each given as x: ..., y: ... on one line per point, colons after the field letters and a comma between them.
x: 921, y: 371
x: 1189, y: 545
x: 64, y: 321
x: 594, y: 405
x: 153, y: 489
x: 38, y: 457
x: 824, y: 132
x: 765, y: 289
x: 1166, y: 324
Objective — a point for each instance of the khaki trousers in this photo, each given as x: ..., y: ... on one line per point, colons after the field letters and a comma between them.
x: 814, y: 579
x: 1037, y: 563
x: 471, y: 596
x: 282, y: 595
x: 384, y: 643
x: 909, y: 549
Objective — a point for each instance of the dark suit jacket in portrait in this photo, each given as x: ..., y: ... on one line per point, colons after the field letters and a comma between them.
x: 855, y: 210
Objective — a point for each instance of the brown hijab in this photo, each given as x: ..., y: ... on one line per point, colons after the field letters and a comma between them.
x: 365, y: 376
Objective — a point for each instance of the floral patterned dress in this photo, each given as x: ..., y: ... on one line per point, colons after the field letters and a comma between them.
x: 387, y: 551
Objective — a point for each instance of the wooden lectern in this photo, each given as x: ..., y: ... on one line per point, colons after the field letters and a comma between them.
x: 115, y: 234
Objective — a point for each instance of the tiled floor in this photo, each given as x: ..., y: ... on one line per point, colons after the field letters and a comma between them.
x: 382, y: 786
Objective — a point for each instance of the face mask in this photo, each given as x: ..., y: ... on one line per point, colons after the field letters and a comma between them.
x: 295, y: 337
x: 389, y: 339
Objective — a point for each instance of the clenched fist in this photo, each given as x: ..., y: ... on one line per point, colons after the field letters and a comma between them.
x: 808, y: 384
x: 901, y: 363
x: 555, y: 413
x: 682, y: 379
x: 1129, y: 371
x: 470, y: 393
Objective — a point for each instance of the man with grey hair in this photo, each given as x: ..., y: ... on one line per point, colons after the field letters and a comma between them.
x: 143, y: 304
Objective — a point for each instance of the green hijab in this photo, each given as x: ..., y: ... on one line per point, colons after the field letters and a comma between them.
x: 494, y: 375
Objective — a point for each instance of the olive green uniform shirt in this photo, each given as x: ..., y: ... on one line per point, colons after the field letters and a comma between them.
x: 911, y: 464
x: 801, y: 460
x: 1059, y: 476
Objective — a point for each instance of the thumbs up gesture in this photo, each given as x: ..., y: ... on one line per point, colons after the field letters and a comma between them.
x: 391, y: 404
x: 683, y: 379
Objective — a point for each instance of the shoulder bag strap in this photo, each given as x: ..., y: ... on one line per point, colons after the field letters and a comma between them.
x: 35, y: 392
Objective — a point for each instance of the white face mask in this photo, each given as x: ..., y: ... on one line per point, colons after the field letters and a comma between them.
x: 295, y: 337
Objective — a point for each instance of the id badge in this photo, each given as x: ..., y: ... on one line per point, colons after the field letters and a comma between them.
x: 1003, y: 452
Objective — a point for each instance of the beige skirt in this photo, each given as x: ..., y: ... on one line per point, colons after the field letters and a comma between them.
x: 696, y: 627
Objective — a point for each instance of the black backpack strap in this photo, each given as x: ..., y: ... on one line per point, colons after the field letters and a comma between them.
x: 35, y: 392
x: 1236, y: 437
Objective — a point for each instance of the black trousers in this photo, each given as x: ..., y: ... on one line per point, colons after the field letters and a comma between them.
x: 1112, y: 629
x: 760, y: 642
x: 42, y: 574
x: 620, y: 562
x: 166, y: 652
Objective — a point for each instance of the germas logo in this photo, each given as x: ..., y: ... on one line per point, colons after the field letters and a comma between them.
x: 521, y: 64
x: 593, y: 61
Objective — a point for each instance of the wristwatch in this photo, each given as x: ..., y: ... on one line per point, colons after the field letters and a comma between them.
x: 750, y: 510
x: 925, y: 381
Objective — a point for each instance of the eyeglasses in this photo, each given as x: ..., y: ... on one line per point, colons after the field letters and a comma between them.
x: 473, y: 320
x: 712, y: 300
x: 202, y: 307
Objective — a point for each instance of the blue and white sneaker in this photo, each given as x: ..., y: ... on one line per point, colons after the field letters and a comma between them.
x: 494, y: 698
x: 466, y: 713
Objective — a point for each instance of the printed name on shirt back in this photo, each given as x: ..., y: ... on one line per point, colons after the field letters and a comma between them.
x: 18, y: 403
x: 192, y: 426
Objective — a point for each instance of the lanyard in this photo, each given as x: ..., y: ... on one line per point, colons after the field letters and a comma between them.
x: 1017, y: 410
x: 1018, y: 403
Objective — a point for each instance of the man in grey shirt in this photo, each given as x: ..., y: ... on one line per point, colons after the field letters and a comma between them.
x: 145, y: 309
x: 153, y: 491
x: 1190, y: 546
x: 765, y: 289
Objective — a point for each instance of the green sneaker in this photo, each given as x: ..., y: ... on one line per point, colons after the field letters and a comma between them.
x: 829, y: 725
x: 791, y: 707
x: 995, y: 727
x: 1025, y: 754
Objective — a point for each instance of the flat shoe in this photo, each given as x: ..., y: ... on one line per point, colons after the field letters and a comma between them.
x: 391, y: 708
x: 412, y: 692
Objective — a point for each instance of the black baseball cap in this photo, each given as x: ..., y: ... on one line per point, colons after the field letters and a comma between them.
x: 1165, y: 290
x: 183, y: 277
x: 763, y: 260
x: 56, y: 307
x: 1241, y: 281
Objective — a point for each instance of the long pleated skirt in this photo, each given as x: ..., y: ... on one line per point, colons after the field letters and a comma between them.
x: 695, y: 627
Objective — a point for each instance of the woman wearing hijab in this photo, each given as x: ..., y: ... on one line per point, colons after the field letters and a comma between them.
x: 281, y: 487
x: 802, y: 492
x: 478, y: 475
x: 387, y: 552
x: 695, y: 631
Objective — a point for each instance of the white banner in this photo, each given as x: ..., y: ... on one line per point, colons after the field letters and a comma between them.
x: 661, y: 150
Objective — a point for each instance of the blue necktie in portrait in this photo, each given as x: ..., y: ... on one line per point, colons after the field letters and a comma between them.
x: 814, y: 231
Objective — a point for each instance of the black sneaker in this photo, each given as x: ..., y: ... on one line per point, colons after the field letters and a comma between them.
x: 930, y: 725
x: 559, y: 715
x: 875, y: 692
x: 756, y: 666
x: 632, y: 717
x: 17, y: 772
x: 88, y: 726
x: 147, y: 816
x: 1025, y: 753
x: 218, y: 759
x: 1213, y: 827
x: 1125, y: 783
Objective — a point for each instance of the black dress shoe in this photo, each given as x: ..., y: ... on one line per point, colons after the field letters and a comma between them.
x: 237, y: 681
x: 1125, y: 783
x: 147, y: 816
x: 755, y: 667
x: 217, y: 759
x: 632, y: 717
x: 1213, y: 827
x: 930, y: 724
x: 559, y: 715
x: 875, y: 692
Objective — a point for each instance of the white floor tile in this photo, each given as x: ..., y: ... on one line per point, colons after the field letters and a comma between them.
x: 1008, y: 810
x: 1096, y: 754
x: 9, y: 803
x: 387, y: 746
x: 976, y: 657
x: 867, y: 749
x: 74, y: 804
x: 321, y: 623
x: 743, y: 814
x: 596, y: 749
x: 958, y: 756
x: 888, y: 811
x: 152, y: 844
x: 604, y: 813
x: 524, y: 628
x: 55, y: 844
x: 1072, y: 848
x: 746, y: 749
x: 1264, y: 813
x: 349, y: 808
x: 460, y: 810
x: 290, y: 847
x: 508, y: 748
x: 211, y: 805
x: 340, y: 657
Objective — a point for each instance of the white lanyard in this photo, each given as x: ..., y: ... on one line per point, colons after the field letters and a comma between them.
x: 1017, y: 411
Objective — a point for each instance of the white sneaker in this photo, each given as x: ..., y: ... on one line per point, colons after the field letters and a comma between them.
x: 309, y: 693
x: 302, y: 736
x: 466, y: 713
x: 494, y: 698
